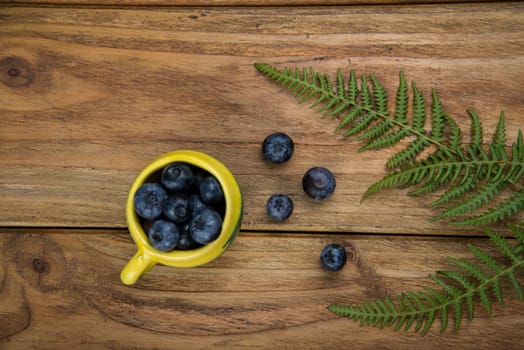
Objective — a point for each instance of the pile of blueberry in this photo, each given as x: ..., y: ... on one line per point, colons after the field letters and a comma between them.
x: 318, y: 183
x: 183, y: 210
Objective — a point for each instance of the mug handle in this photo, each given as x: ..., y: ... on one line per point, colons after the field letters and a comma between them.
x: 139, y: 264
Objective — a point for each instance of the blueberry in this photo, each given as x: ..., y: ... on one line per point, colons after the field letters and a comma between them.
x: 148, y: 200
x: 185, y: 241
x: 277, y: 147
x: 210, y: 190
x: 200, y: 174
x: 205, y: 227
x: 196, y: 205
x: 163, y: 235
x: 176, y: 208
x: 333, y: 257
x: 177, y: 177
x: 319, y: 183
x: 279, y: 207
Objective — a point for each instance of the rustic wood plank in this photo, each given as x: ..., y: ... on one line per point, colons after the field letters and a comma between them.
x: 61, y: 289
x: 200, y: 3
x: 90, y: 96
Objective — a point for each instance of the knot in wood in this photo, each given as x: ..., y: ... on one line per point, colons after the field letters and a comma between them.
x: 16, y: 72
x: 351, y: 252
x: 40, y: 266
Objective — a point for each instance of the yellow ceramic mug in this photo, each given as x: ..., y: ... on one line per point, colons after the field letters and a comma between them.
x: 147, y: 256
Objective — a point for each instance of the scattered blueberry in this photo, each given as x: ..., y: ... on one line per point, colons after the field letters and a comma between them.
x: 196, y: 205
x: 210, y: 190
x: 319, y: 183
x: 185, y: 241
x: 333, y: 257
x: 176, y: 208
x: 163, y: 235
x: 177, y: 177
x: 205, y: 227
x: 148, y: 200
x: 279, y: 207
x: 277, y: 147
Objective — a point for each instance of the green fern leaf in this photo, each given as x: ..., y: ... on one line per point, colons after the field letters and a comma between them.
x: 381, y: 107
x: 411, y: 312
x: 481, y: 197
x: 472, y: 175
x: 452, y: 292
x: 466, y: 285
x: 503, y: 245
x: 418, y: 145
x: 408, y: 154
x: 438, y: 118
x: 369, y: 114
x: 476, y: 130
x: 485, y: 300
x: 380, y: 95
x: 490, y: 262
x: 506, y: 209
x: 515, y: 285
x: 468, y: 183
x: 419, y: 110
x: 455, y: 136
x: 341, y: 90
x: 499, y: 138
x: 386, y: 140
x: 349, y: 117
x: 456, y: 288
x: 377, y: 137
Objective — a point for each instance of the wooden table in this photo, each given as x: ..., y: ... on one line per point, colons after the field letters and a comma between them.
x: 92, y: 92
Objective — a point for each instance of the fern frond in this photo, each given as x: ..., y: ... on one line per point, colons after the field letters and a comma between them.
x: 506, y: 209
x: 478, y: 280
x: 472, y: 175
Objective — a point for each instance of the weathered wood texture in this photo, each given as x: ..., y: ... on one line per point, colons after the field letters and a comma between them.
x: 90, y: 96
x: 60, y: 289
x: 227, y: 2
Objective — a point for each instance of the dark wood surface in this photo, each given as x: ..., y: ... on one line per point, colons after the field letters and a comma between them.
x: 90, y: 94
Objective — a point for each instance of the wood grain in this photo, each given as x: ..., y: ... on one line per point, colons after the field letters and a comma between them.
x: 200, y: 3
x: 90, y: 96
x: 60, y: 289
